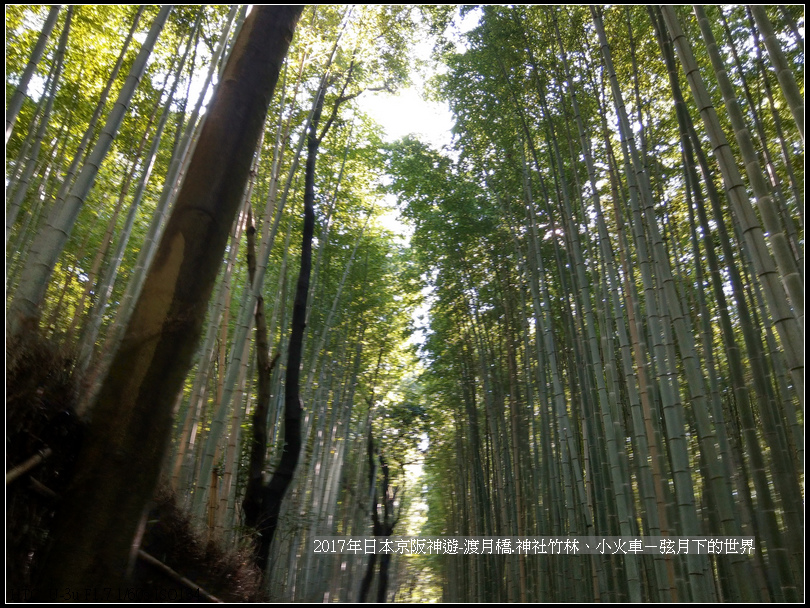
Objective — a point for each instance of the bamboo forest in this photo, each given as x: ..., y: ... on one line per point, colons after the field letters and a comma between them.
x: 242, y: 317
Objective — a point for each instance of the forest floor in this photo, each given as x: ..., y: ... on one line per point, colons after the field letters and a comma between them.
x: 43, y: 436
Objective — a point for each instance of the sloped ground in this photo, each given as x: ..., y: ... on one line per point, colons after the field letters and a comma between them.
x: 41, y: 420
x: 40, y: 400
x: 171, y: 538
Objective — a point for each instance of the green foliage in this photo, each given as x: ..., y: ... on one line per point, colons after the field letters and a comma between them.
x: 499, y: 380
x: 500, y: 223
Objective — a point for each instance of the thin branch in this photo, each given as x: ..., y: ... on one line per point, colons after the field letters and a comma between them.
x: 41, y: 488
x: 29, y: 464
x: 341, y: 98
x: 143, y: 555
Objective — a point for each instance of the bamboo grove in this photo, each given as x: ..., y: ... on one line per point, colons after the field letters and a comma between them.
x: 615, y: 251
x: 611, y: 257
x: 96, y: 152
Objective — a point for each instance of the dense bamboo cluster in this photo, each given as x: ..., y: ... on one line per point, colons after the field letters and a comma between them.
x: 616, y: 256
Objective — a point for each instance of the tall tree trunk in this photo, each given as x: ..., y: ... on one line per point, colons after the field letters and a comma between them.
x: 376, y: 530
x: 267, y: 505
x: 253, y: 502
x: 118, y: 466
x: 184, y: 148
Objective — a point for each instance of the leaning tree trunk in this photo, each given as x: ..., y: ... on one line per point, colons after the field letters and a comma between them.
x: 119, y: 465
x: 106, y: 282
x: 101, y: 362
